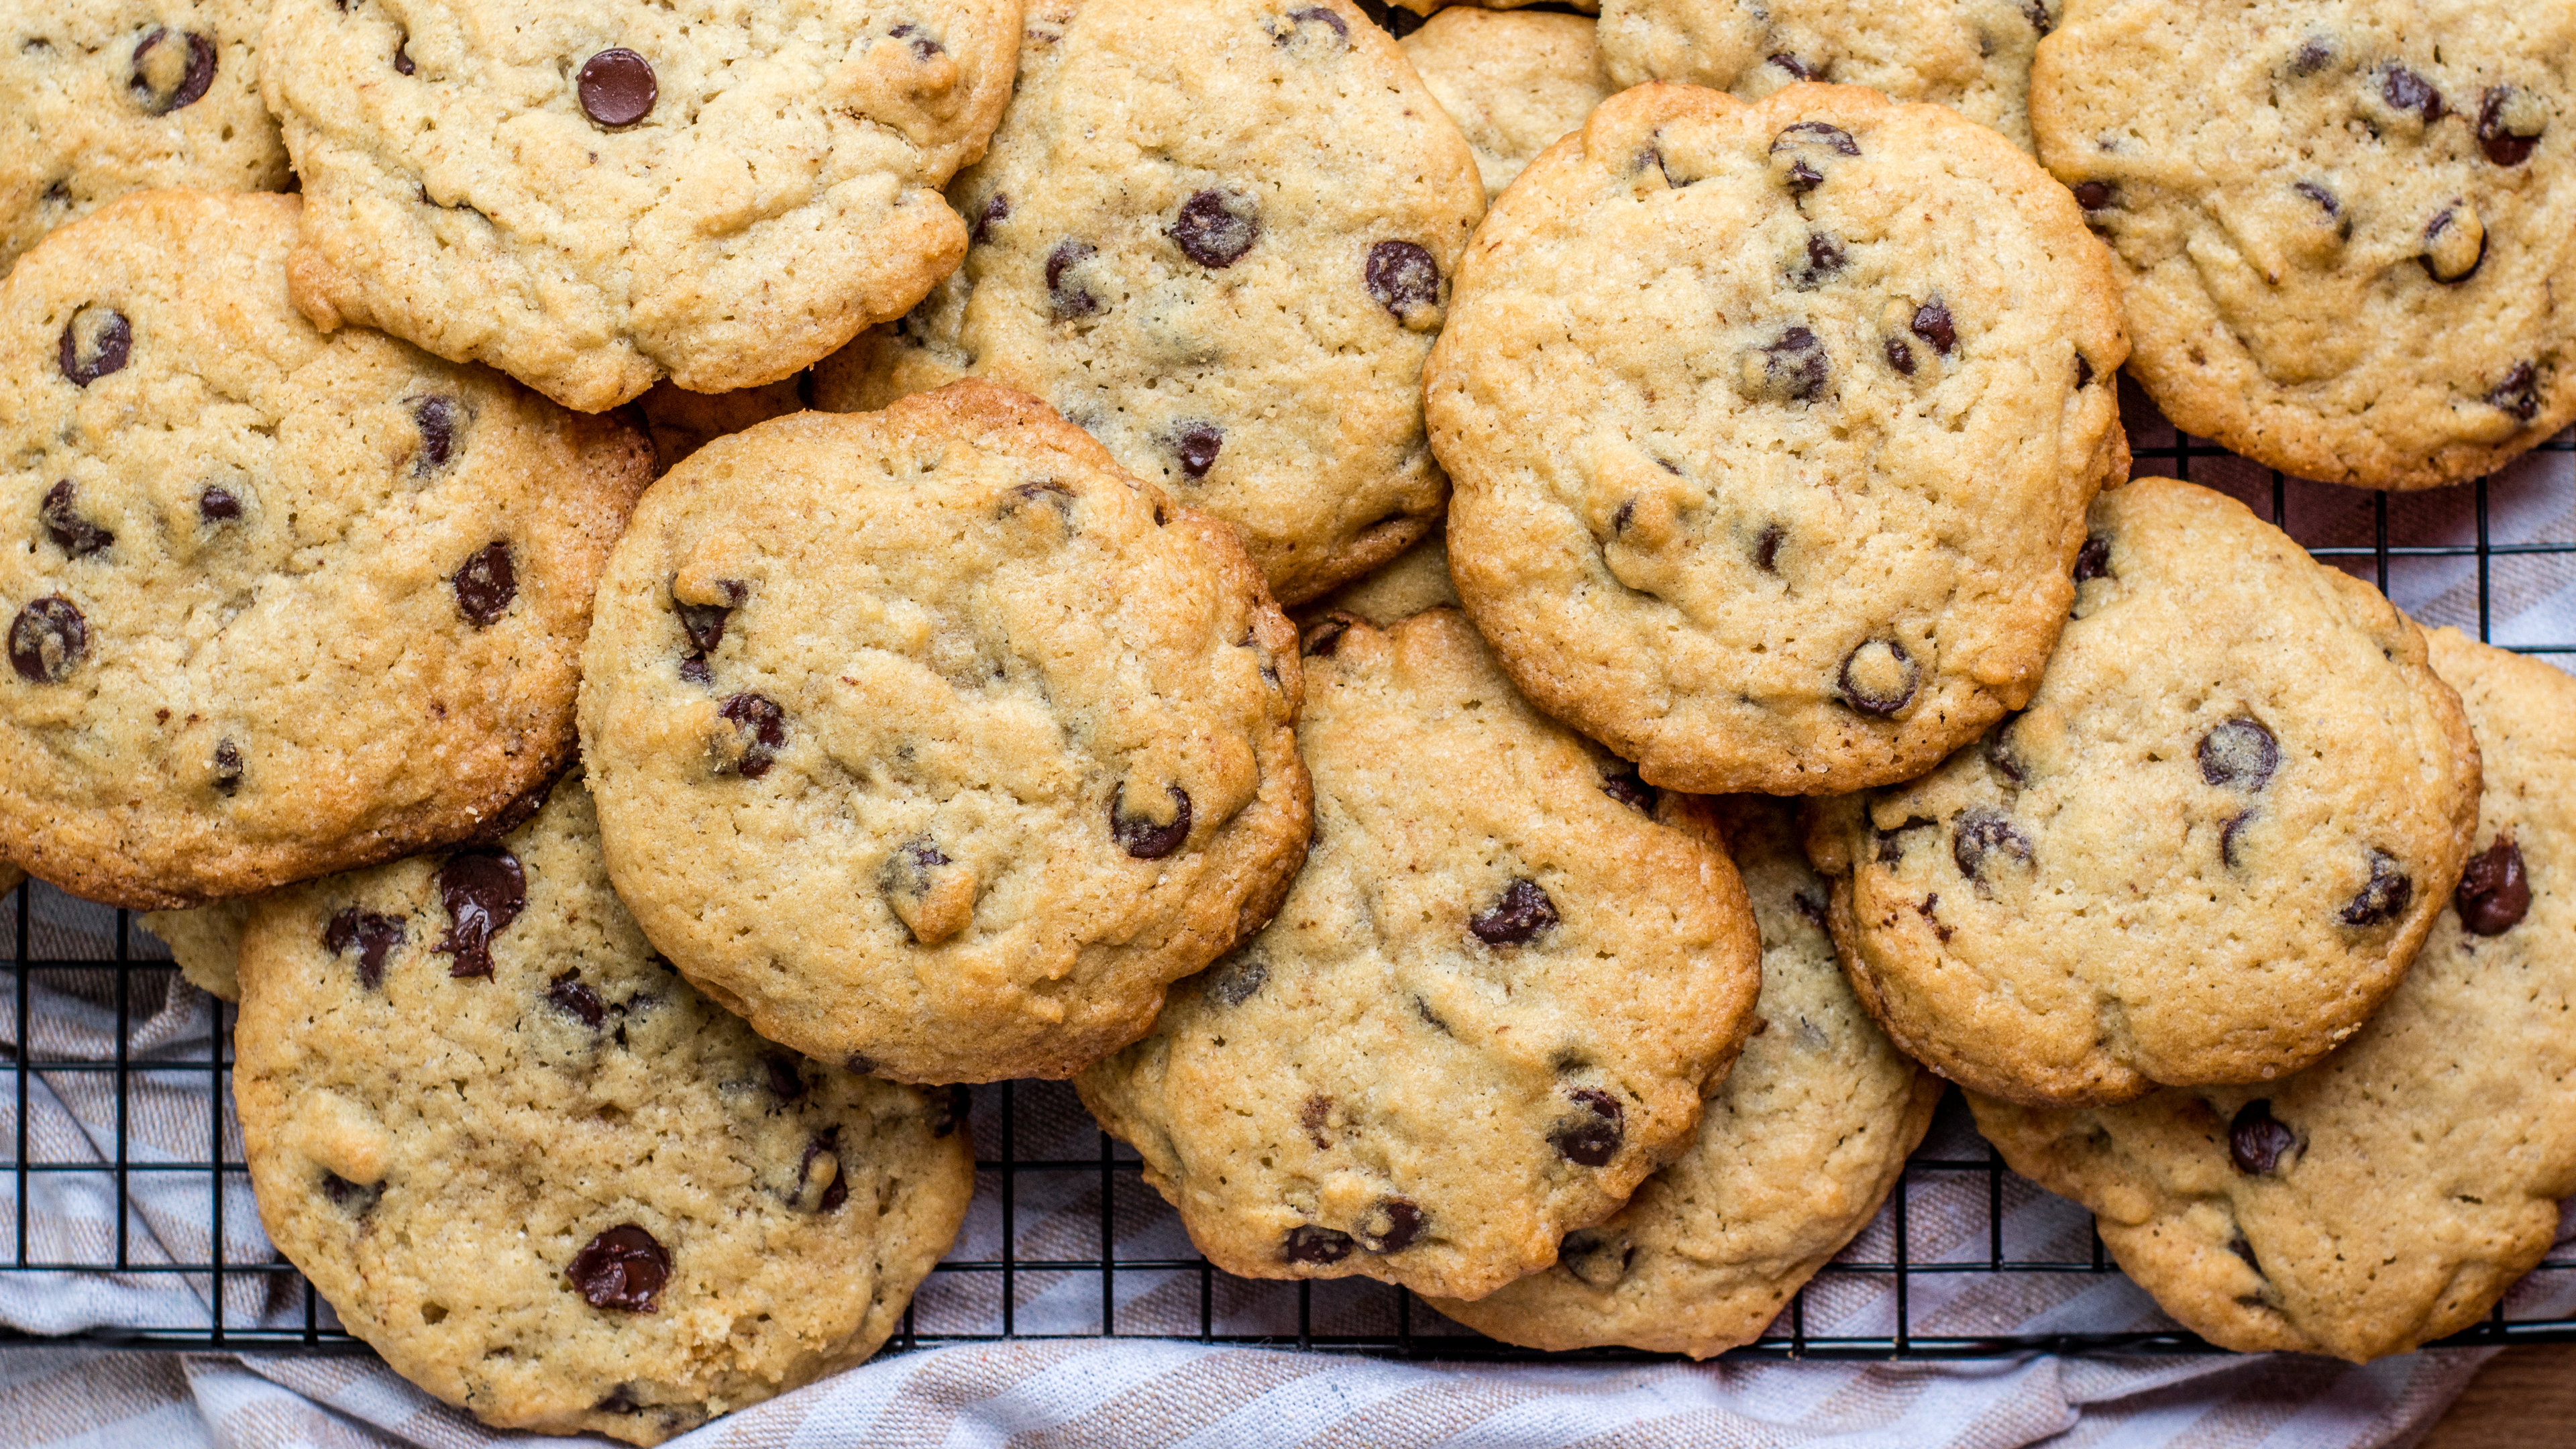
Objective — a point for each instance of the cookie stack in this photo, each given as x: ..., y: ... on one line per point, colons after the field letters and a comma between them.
x: 709, y: 578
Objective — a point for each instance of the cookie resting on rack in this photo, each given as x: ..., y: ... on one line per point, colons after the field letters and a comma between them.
x: 2390, y: 1194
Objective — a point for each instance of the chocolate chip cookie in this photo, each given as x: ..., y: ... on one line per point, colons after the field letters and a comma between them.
x: 2389, y: 1194
x: 1218, y: 234
x: 1514, y: 81
x: 206, y: 942
x: 932, y: 740
x: 2341, y: 252
x: 103, y: 98
x: 1487, y: 1010
x: 1972, y: 56
x: 1795, y: 1151
x: 542, y: 1176
x: 593, y: 195
x: 1772, y: 428
x: 279, y: 603
x: 2206, y: 851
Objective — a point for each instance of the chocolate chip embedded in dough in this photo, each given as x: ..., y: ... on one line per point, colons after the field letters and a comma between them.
x: 1982, y: 835
x: 1235, y: 980
x: 761, y: 731
x: 1215, y: 228
x: 1621, y: 782
x: 484, y: 891
x: 218, y: 504
x: 171, y: 72
x: 1879, y: 678
x: 1142, y: 837
x: 2257, y: 1141
x: 1392, y: 1225
x: 1596, y: 1256
x: 1197, y: 445
x: 60, y: 513
x: 1067, y: 297
x: 1308, y: 1243
x: 1405, y: 280
x: 2494, y: 893
x: 227, y: 776
x: 2384, y: 896
x: 2238, y: 754
x: 2518, y: 396
x: 623, y: 1268
x: 485, y: 584
x: 1592, y: 1139
x: 2455, y: 244
x: 1790, y: 368
x: 2510, y: 123
x: 1518, y: 917
x: 48, y: 640
x: 617, y: 87
x: 95, y: 343
x: 574, y: 998
x: 375, y: 937
x: 2404, y: 90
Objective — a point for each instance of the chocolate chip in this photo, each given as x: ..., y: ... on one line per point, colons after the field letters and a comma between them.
x: 2245, y: 1251
x: 2257, y: 1141
x: 764, y: 724
x: 1766, y: 549
x: 1215, y: 229
x: 1319, y: 639
x: 436, y: 417
x: 1068, y: 300
x: 2230, y: 834
x: 2036, y: 12
x: 1235, y: 980
x: 228, y: 767
x: 2239, y: 754
x: 2404, y: 90
x: 622, y: 1268
x: 568, y: 994
x: 2382, y: 898
x: 109, y: 340
x: 2324, y: 199
x: 484, y: 891
x: 1592, y: 1139
x: 1879, y: 678
x: 1932, y: 323
x: 2001, y: 755
x: 1391, y: 1226
x: 485, y: 584
x: 75, y: 535
x: 1825, y: 260
x: 194, y: 80
x: 1892, y: 842
x: 1197, y: 445
x: 1317, y: 15
x: 696, y: 670
x: 1810, y: 904
x: 1800, y: 177
x: 617, y: 87
x: 786, y: 1083
x: 1308, y: 1243
x: 2518, y: 396
x: 1403, y: 278
x: 402, y: 56
x: 1982, y: 833
x: 2510, y: 121
x: 2313, y: 55
x: 1816, y: 133
x: 2083, y: 371
x: 355, y: 1199
x: 1797, y: 69
x: 1598, y: 1258
x: 218, y: 504
x: 704, y: 624
x: 375, y: 937
x: 2093, y: 560
x: 1516, y: 919
x: 2455, y: 244
x: 48, y: 640
x: 826, y: 1143
x: 1142, y: 838
x: 2494, y: 894
x: 997, y: 209
x: 2094, y: 195
x: 1900, y: 356
x: 919, y: 41
x: 1313, y: 1116
x: 1789, y: 368
x: 1621, y: 782
x: 950, y: 1112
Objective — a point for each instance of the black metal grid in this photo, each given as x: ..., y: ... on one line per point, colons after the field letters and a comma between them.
x: 1061, y: 1206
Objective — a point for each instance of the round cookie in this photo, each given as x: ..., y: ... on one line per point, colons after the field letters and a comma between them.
x: 1795, y: 1151
x: 1772, y: 428
x: 279, y: 603
x: 1487, y: 1010
x: 593, y: 195
x: 206, y: 942
x: 2390, y: 1194
x: 1972, y: 56
x: 103, y: 98
x: 543, y: 1177
x: 2206, y: 851
x: 2341, y: 252
x: 1217, y: 234
x: 931, y: 739
x: 1514, y: 81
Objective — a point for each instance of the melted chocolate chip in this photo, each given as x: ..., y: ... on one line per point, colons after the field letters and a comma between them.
x: 1793, y: 367
x: 622, y: 1268
x: 705, y: 623
x: 2257, y: 1141
x: 1900, y: 356
x: 484, y: 891
x: 1801, y: 177
x: 1982, y: 834
x: 918, y: 41
x: 1308, y: 1243
x: 1319, y: 639
x: 2382, y: 898
x: 1825, y: 260
x: 1069, y: 299
x: 218, y: 504
x: 997, y: 209
x: 1879, y: 678
x: 1797, y: 69
x: 2507, y: 139
x: 1592, y: 1139
x: 2313, y: 55
x: 2095, y: 195
x: 1932, y: 323
x: 2001, y: 755
x: 354, y: 1198
x: 194, y: 79
x: 1598, y: 1258
x: 1392, y: 1226
x: 826, y: 1143
x: 696, y: 670
x: 228, y: 767
x: 2494, y: 894
x: 1196, y: 444
x: 1816, y: 133
x: 2324, y: 199
x: 1621, y: 782
x: 74, y: 534
x: 375, y: 937
x: 617, y: 87
x: 1143, y: 838
x: 1317, y: 15
x: 2518, y: 396
x: 786, y: 1083
x: 485, y: 584
x: 1517, y: 918
x: 2239, y: 754
x: 87, y: 359
x: 2093, y: 560
x: 1235, y: 980
x: 2440, y: 258
x: 764, y: 724
x: 2036, y: 12
x: 569, y: 995
x: 2230, y: 835
x: 48, y: 640
x: 1766, y: 549
x: 2404, y: 90
x: 1215, y: 229
x: 1402, y: 277
x: 436, y: 417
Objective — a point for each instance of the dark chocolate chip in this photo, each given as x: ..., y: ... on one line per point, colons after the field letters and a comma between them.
x: 622, y: 1268
x: 617, y: 87
x: 436, y: 417
x: 2448, y: 274
x: 1308, y: 1243
x: 353, y: 1198
x: 1598, y: 1258
x: 2036, y: 12
x: 764, y: 725
x: 1402, y: 277
x: 1892, y: 843
x: 375, y: 937
x: 1810, y: 904
x: 485, y: 584
x: 1794, y: 366
x: 950, y: 1112
x: 1880, y: 698
x: 2001, y: 755
x: 87, y: 359
x: 2093, y: 560
x: 1392, y: 1226
x: 2095, y: 195
x: 1816, y: 133
x: 1143, y: 838
x: 1215, y: 229
x: 997, y: 209
x: 484, y: 891
x: 705, y: 623
x: 228, y: 767
x: 2083, y: 371
x: 1981, y: 834
x: 2229, y: 836
x: 917, y: 40
x: 786, y: 1083
x: 1517, y: 918
x: 568, y: 994
x: 1313, y: 1117
x: 2257, y: 1141
x: 826, y: 1143
x: 1621, y: 782
x: 218, y: 504
x: 2494, y: 894
x: 1069, y: 299
x: 2382, y: 898
x: 1825, y: 260
x: 2404, y: 90
x: 2497, y: 136
x: 1317, y: 15
x: 402, y: 56
x: 2324, y: 199
x: 1197, y: 445
x: 1592, y: 1139
x: 1319, y: 639
x: 1236, y: 980
x: 1766, y: 549
x: 696, y: 670
x: 2239, y: 754
x: 75, y: 535
x: 1932, y: 323
x: 48, y: 640
x: 2313, y: 55
x: 1900, y: 356
x: 1797, y: 69
x: 1802, y: 178
x: 194, y: 80
x: 2518, y: 396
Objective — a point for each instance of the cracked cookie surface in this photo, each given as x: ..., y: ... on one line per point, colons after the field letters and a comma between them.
x: 934, y: 739
x: 1772, y: 428
x: 2390, y: 1194
x: 1487, y: 1009
x: 2205, y: 853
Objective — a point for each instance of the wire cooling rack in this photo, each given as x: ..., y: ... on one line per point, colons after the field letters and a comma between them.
x: 124, y: 1182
